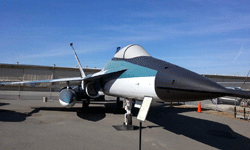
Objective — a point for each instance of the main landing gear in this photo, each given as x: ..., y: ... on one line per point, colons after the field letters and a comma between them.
x: 85, y: 104
x: 119, y: 104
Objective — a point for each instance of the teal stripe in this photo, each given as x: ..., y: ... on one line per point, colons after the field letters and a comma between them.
x: 133, y: 70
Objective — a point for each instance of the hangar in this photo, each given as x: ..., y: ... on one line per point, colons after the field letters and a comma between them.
x: 20, y: 72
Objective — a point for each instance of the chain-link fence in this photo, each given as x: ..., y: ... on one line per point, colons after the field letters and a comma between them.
x: 207, y: 104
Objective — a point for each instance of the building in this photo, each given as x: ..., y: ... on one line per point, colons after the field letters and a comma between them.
x: 18, y: 72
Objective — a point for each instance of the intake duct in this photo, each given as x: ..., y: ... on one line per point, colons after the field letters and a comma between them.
x: 91, y: 90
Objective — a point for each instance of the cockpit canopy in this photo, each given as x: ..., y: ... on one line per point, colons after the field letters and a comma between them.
x: 131, y: 51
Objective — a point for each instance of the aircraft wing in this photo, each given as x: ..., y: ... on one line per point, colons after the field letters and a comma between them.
x: 43, y: 81
x: 91, y: 77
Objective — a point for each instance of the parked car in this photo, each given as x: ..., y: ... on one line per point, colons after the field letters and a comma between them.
x: 228, y: 99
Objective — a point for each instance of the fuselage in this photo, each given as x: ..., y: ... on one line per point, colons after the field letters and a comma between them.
x: 148, y: 76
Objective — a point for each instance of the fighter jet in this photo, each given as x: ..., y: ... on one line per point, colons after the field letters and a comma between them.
x: 133, y: 74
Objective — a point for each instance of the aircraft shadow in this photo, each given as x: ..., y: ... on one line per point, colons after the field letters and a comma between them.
x: 211, y: 133
x: 2, y: 104
x: 92, y: 113
x: 13, y: 116
x: 95, y: 113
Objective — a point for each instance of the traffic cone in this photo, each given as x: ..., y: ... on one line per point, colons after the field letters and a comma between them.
x: 199, y: 107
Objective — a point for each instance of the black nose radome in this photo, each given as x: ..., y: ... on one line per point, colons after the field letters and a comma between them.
x: 179, y: 84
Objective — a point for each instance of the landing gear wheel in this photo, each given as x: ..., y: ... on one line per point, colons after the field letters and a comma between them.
x: 129, y: 119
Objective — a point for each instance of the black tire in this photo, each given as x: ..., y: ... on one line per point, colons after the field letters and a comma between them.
x: 129, y: 119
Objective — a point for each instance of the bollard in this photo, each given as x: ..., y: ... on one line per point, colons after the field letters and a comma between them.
x: 234, y: 112
x: 244, y: 113
x: 45, y: 99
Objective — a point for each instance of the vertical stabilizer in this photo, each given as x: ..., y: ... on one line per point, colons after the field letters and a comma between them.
x: 79, y: 64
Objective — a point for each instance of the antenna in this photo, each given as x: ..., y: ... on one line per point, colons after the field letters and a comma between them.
x: 79, y: 64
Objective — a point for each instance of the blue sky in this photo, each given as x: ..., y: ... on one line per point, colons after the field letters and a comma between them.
x: 204, y: 36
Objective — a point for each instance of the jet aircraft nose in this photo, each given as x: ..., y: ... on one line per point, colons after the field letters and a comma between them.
x: 178, y: 84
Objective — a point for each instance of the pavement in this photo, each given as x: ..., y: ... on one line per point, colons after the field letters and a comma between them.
x: 33, y: 124
x: 27, y: 95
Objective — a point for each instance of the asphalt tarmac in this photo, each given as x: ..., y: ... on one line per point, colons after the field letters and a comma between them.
x: 33, y: 124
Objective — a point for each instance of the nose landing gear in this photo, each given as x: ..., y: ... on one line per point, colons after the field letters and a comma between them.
x: 127, y: 125
x: 128, y: 115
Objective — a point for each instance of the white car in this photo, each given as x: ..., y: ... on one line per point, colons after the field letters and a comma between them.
x: 228, y: 99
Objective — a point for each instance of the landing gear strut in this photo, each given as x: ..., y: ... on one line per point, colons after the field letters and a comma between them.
x: 127, y: 125
x: 128, y: 115
x: 85, y: 104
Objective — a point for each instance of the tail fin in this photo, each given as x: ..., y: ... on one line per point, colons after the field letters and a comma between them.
x: 79, y: 64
